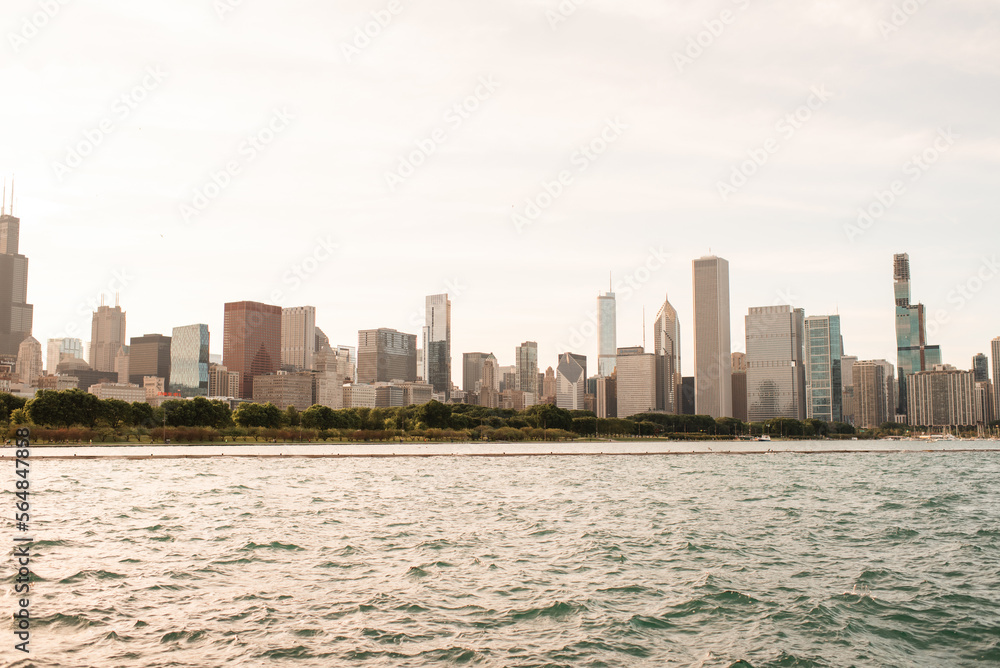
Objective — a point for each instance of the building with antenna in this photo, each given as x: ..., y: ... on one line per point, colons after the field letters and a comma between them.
x: 16, y: 314
x: 107, y: 335
x: 607, y: 338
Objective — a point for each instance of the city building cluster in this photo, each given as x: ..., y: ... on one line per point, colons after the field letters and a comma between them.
x: 795, y: 366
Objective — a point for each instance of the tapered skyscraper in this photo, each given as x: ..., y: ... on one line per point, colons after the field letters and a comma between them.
x: 667, y: 348
x: 912, y: 352
x: 607, y: 338
x: 437, y: 343
x: 712, y: 347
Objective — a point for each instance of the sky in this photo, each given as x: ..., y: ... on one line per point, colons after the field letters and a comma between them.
x: 521, y: 156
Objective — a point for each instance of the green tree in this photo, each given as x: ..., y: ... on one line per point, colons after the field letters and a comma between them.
x: 9, y: 403
x: 548, y: 416
x: 434, y: 414
x: 249, y: 414
x: 291, y: 417
x: 20, y: 416
x: 117, y: 413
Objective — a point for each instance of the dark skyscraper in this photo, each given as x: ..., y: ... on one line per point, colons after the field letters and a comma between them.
x: 437, y: 343
x: 15, y: 313
x: 385, y: 355
x: 251, y: 341
x: 149, y: 355
x: 981, y: 367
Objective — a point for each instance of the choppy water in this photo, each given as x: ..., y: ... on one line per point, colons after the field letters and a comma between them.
x: 714, y: 560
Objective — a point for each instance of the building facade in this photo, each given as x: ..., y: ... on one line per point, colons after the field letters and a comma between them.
x: 636, y: 382
x: 607, y: 333
x: 29, y: 361
x: 941, y: 397
x: 149, y: 355
x: 712, y: 345
x: 385, y: 354
x: 59, y: 349
x: 571, y: 382
x: 189, y: 360
x: 824, y: 380
x: 776, y: 379
x: 870, y: 400
x: 284, y: 389
x: 527, y: 369
x: 437, y: 343
x: 298, y: 338
x: 472, y: 370
x: 740, y: 386
x: 251, y: 342
x: 16, y: 314
x: 107, y: 336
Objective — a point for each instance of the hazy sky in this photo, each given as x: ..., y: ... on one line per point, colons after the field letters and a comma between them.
x: 193, y: 152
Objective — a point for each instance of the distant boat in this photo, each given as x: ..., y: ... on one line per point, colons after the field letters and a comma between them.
x: 765, y: 437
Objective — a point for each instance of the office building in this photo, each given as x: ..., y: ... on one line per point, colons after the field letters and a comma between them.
x: 437, y: 343
x: 667, y: 348
x: 251, y: 342
x: 636, y: 381
x: 127, y: 392
x: 981, y: 367
x: 847, y: 406
x: 995, y: 353
x: 548, y: 386
x: 775, y: 370
x: 983, y: 398
x: 824, y: 388
x: 570, y: 381
x: 385, y: 354
x: 149, y: 355
x: 526, y: 380
x: 740, y: 386
x: 713, y: 383
x: 472, y: 370
x: 107, y: 336
x: 363, y: 396
x: 941, y: 397
x: 607, y: 333
x: 870, y: 399
x: 912, y: 350
x: 29, y: 361
x: 489, y: 383
x: 222, y: 382
x: 58, y: 350
x: 284, y: 389
x: 606, y: 396
x: 189, y: 361
x: 16, y: 314
x: 298, y: 338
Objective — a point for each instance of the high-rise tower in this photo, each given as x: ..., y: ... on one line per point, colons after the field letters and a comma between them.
x: 437, y: 343
x: 912, y: 351
x: 15, y: 313
x: 107, y: 336
x: 713, y: 371
x: 251, y: 341
x: 607, y: 338
x: 667, y: 348
x: 824, y: 384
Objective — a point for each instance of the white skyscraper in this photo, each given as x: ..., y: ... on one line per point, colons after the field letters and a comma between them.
x: 607, y: 339
x: 570, y: 383
x: 667, y: 348
x: 776, y: 378
x: 712, y: 347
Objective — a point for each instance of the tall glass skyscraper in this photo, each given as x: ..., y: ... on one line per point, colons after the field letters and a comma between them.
x: 437, y: 343
x: 775, y: 369
x: 824, y: 388
x: 912, y: 352
x: 607, y: 336
x: 713, y: 363
x: 527, y: 368
x: 189, y: 360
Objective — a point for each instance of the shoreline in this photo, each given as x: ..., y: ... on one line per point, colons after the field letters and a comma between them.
x: 423, y: 450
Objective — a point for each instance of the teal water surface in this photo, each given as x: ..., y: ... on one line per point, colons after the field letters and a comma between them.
x: 884, y: 559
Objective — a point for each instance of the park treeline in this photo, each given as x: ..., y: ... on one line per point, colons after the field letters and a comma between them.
x: 77, y: 416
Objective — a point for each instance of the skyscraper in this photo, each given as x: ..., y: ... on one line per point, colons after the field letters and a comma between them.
x: 298, y: 337
x: 913, y: 354
x: 995, y: 352
x: 189, y: 360
x: 847, y: 405
x: 981, y: 367
x: 636, y: 381
x: 824, y: 382
x: 437, y: 343
x: 740, y: 386
x: 527, y: 369
x: 869, y: 394
x: 386, y: 354
x: 712, y: 346
x: 607, y: 336
x: 489, y: 384
x: 776, y: 380
x: 107, y: 336
x: 472, y: 370
x: 149, y: 355
x: 29, y: 361
x: 58, y: 350
x: 942, y: 397
x: 251, y: 341
x: 571, y: 381
x: 15, y: 313
x: 667, y: 348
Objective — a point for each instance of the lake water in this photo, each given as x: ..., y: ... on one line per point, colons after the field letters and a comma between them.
x: 816, y: 559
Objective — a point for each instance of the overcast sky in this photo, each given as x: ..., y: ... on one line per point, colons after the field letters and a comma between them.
x: 752, y: 130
